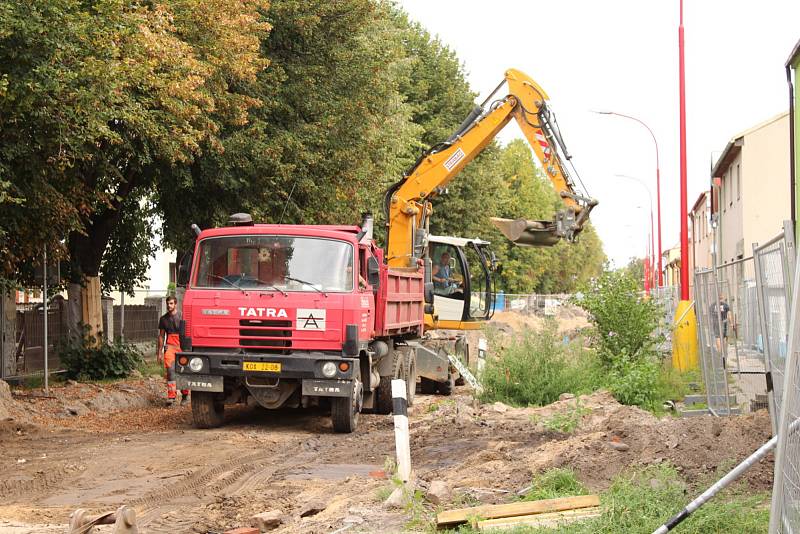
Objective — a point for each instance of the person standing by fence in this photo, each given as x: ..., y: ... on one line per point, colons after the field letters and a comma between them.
x: 169, y: 343
x: 719, y: 314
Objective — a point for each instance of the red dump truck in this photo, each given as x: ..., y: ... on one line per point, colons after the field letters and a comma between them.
x: 297, y: 315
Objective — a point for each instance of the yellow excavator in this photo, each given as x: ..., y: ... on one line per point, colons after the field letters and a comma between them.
x: 407, y: 204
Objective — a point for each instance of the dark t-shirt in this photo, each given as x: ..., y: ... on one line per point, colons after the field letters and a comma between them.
x: 722, y: 308
x: 170, y: 323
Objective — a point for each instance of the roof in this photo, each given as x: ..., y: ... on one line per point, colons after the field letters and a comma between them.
x: 701, y: 198
x: 734, y: 146
x: 794, y: 55
x: 302, y: 230
x: 456, y: 241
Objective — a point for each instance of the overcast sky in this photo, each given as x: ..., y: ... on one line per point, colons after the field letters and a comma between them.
x: 622, y: 55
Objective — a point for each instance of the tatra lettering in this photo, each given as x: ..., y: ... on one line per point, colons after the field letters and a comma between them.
x: 262, y: 312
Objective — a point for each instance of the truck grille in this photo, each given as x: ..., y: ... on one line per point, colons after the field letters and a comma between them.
x: 266, y: 335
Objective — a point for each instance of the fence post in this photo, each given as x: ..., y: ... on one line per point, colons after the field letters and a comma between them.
x: 8, y: 330
x: 788, y: 413
x: 46, y: 337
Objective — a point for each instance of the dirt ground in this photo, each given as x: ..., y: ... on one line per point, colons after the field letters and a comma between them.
x: 100, y: 446
x: 179, y: 479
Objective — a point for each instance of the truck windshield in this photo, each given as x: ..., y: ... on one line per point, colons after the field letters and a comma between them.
x: 275, y: 262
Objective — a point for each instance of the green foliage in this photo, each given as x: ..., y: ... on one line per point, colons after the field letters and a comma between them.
x: 555, y: 483
x: 87, y: 359
x: 537, y: 368
x: 641, y: 502
x: 635, y: 382
x: 526, y: 193
x: 566, y: 422
x: 624, y: 321
x: 100, y: 100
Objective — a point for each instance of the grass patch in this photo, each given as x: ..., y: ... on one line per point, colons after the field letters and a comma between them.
x: 150, y: 367
x: 641, y: 502
x: 538, y: 367
x: 554, y: 483
x: 567, y: 422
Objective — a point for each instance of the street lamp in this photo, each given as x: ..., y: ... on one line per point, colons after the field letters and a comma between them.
x: 650, y: 196
x: 658, y: 185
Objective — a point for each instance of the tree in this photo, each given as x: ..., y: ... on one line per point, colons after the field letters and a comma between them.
x: 328, y: 137
x: 100, y: 100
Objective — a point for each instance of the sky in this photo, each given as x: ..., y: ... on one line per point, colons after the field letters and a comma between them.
x: 622, y: 56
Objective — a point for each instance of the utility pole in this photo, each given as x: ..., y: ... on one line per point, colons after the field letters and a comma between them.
x: 684, y: 340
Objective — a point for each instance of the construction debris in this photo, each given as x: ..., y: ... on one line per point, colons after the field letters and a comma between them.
x: 550, y: 519
x: 451, y: 518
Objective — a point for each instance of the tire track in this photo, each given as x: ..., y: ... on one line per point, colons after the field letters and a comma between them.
x: 199, y: 479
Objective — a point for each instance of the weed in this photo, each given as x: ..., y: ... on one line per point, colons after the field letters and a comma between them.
x: 537, y: 368
x: 567, y: 422
x: 554, y: 483
x: 640, y: 502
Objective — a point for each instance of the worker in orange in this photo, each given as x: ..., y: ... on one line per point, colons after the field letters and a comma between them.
x: 169, y: 343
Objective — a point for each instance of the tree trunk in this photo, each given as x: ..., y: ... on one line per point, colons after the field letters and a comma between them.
x: 8, y: 329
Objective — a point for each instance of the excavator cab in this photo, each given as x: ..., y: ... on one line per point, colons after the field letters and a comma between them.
x: 461, y: 271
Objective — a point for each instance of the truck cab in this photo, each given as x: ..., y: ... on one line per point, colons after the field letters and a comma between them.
x: 286, y: 315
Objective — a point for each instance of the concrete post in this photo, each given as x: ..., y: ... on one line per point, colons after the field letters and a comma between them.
x: 8, y: 331
x: 107, y: 305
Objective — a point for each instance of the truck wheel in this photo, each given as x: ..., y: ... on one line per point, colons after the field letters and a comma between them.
x: 344, y: 412
x: 446, y: 388
x: 207, y: 410
x: 383, y: 404
x: 427, y: 386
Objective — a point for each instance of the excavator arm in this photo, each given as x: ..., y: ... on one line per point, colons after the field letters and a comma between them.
x: 407, y: 203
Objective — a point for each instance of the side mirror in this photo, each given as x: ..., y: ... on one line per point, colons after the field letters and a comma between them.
x: 373, y: 272
x: 184, y: 269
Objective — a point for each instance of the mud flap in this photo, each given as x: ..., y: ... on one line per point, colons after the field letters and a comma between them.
x: 200, y: 383
x: 431, y: 364
x: 327, y: 388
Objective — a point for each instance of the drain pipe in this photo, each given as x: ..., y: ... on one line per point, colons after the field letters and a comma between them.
x: 792, y: 155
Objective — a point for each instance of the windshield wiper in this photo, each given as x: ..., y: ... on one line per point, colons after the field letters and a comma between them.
x: 240, y: 288
x: 224, y: 279
x: 270, y: 286
x: 312, y: 286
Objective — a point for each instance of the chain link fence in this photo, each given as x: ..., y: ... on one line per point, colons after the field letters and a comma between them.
x: 132, y: 319
x: 712, y: 338
x: 774, y: 262
x: 785, y: 512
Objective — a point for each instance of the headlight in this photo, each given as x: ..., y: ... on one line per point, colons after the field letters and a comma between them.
x: 329, y: 369
x: 196, y: 364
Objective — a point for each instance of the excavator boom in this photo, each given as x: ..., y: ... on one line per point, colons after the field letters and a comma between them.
x: 407, y: 202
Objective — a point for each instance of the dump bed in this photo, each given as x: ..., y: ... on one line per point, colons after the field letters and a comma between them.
x: 401, y: 302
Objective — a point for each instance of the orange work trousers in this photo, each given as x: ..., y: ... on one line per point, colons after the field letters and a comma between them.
x: 171, y: 348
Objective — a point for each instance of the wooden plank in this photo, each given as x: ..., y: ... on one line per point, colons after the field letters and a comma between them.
x: 494, y: 511
x: 551, y: 519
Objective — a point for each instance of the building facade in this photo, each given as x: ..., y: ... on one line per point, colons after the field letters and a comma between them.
x: 750, y: 189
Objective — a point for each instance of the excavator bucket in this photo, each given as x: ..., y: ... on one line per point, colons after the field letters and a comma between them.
x: 528, y: 233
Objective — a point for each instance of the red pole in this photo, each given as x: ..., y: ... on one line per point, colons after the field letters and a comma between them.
x: 653, y: 251
x: 658, y: 200
x: 684, y: 218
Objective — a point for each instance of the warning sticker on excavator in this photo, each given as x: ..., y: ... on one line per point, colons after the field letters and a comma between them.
x: 453, y: 160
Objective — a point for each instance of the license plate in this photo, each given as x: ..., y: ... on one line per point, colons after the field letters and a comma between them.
x: 262, y: 366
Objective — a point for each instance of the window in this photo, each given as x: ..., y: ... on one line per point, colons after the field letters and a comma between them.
x: 738, y: 183
x: 278, y: 262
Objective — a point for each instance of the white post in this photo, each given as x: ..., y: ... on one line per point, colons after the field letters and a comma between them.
x: 483, y: 347
x: 401, y: 435
x: 44, y: 299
